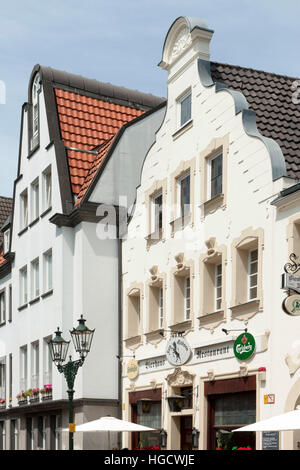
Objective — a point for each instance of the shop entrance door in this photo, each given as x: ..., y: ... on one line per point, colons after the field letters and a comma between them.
x: 186, y: 424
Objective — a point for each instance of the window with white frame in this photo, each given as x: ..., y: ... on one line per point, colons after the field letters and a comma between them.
x: 184, y: 194
x: 23, y: 286
x: 157, y: 208
x: 24, y: 209
x: 2, y: 306
x: 185, y: 105
x: 35, y: 364
x: 252, y: 274
x: 6, y: 241
x: 47, y: 362
x: 23, y: 368
x: 48, y: 271
x: 35, y: 111
x: 47, y: 188
x: 218, y: 286
x: 134, y: 313
x: 187, y: 298
x: 161, y: 308
x: 35, y: 199
x: 14, y: 435
x: 2, y: 436
x: 215, y: 176
x: 35, y: 279
x: 2, y: 379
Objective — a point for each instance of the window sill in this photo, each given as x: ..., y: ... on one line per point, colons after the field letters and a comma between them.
x: 34, y: 301
x: 23, y: 231
x: 22, y: 307
x: 33, y: 151
x: 133, y: 341
x: 180, y: 222
x: 46, y: 211
x: 155, y: 336
x: 154, y: 237
x: 183, y: 129
x: 214, y: 203
x: 3, y: 323
x: 33, y: 222
x: 183, y: 325
x: 47, y: 294
x: 246, y: 310
x: 211, y: 320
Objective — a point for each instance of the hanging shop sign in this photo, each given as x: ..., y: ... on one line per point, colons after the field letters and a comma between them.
x: 291, y: 305
x: 244, y: 346
x: 290, y: 281
x: 178, y: 351
x: 132, y: 369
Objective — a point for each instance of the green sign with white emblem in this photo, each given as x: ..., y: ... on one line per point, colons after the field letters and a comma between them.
x: 244, y: 346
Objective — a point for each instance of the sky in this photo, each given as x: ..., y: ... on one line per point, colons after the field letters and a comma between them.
x: 120, y: 41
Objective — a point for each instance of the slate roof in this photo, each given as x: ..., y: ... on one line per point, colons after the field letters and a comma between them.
x: 271, y: 97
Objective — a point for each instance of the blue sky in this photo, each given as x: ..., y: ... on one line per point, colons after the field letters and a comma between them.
x: 120, y: 41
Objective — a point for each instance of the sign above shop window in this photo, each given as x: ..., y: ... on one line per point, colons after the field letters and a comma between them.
x: 178, y: 351
x: 244, y: 346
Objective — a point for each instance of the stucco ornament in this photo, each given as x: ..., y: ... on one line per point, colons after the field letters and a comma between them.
x: 179, y: 378
x: 182, y: 41
x: 293, y: 359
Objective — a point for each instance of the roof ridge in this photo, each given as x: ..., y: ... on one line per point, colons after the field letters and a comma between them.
x: 255, y: 70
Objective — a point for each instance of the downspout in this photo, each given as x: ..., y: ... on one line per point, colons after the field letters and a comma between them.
x: 120, y: 328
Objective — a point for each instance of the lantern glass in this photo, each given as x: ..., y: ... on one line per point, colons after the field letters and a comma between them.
x: 82, y: 338
x: 58, y: 348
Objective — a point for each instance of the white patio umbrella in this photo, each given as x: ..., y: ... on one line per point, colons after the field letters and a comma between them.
x: 289, y: 421
x: 111, y: 424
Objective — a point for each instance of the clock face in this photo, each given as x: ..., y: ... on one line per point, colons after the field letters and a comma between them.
x: 178, y: 351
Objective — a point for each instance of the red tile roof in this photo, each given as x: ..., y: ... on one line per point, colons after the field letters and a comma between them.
x: 2, y: 259
x: 87, y: 123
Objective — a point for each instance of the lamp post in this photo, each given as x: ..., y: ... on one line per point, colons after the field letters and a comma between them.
x: 82, y: 338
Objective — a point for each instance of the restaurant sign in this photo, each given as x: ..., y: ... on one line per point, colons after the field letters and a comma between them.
x: 244, y: 346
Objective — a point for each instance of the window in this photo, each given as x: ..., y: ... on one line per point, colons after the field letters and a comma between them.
x: 161, y: 308
x: 155, y: 320
x: 35, y: 112
x: 10, y: 365
x: 185, y: 104
x: 23, y: 368
x: 29, y: 434
x: 41, y: 439
x: 157, y: 213
x: 35, y: 279
x: 6, y: 237
x: 252, y: 274
x: 218, y: 286
x: 35, y: 200
x: 24, y: 209
x: 2, y: 307
x: 2, y: 379
x: 184, y: 196
x: 35, y: 364
x: 10, y: 303
x: 23, y: 286
x: 2, y: 436
x: 187, y: 298
x: 48, y: 271
x: 47, y: 189
x: 47, y: 362
x: 216, y: 174
x: 134, y: 312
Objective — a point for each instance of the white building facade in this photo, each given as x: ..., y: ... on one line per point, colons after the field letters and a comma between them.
x: 202, y: 263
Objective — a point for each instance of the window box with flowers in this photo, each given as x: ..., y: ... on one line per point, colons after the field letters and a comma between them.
x: 34, y: 395
x: 22, y: 398
x: 46, y: 392
x: 2, y: 403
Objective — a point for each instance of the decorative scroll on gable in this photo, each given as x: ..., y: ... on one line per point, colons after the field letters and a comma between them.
x: 182, y: 41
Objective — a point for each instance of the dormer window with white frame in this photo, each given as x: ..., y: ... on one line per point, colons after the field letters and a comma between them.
x: 36, y: 86
x: 6, y: 240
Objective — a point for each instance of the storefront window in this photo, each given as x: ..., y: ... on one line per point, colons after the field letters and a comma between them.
x: 149, y: 414
x: 235, y: 409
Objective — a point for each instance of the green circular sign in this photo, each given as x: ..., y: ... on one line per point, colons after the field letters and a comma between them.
x: 244, y: 346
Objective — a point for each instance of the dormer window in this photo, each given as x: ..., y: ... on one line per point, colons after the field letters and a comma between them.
x: 35, y: 111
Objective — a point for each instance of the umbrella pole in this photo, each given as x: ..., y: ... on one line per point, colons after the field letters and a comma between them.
x: 109, y: 446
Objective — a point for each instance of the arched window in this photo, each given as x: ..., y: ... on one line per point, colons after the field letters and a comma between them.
x: 35, y: 111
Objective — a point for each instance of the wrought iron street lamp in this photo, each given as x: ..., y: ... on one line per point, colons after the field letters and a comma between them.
x: 82, y: 338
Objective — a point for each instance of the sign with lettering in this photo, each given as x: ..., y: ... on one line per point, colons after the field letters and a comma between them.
x: 132, y: 369
x: 291, y: 305
x: 213, y: 352
x: 270, y: 440
x: 244, y: 346
x: 290, y: 281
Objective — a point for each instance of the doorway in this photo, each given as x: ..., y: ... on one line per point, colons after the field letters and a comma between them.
x: 186, y: 425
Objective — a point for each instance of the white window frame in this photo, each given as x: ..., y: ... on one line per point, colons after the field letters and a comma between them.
x: 48, y: 271
x: 6, y: 240
x: 47, y: 188
x: 187, y: 298
x: 35, y: 278
x: 251, y: 275
x: 35, y: 111
x: 180, y: 208
x: 180, y: 101
x: 23, y: 367
x: 47, y: 362
x: 2, y: 306
x: 3, y: 379
x: 24, y: 209
x: 161, y: 308
x: 35, y: 364
x: 154, y: 214
x: 35, y: 199
x: 209, y: 175
x: 218, y: 296
x: 23, y: 286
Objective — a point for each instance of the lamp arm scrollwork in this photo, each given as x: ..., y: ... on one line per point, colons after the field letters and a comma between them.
x: 293, y: 266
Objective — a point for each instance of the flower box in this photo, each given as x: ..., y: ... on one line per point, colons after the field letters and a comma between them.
x: 34, y: 399
x: 22, y: 401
